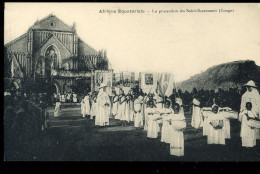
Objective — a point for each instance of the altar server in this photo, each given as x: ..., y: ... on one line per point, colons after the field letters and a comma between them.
x: 87, y: 105
x: 165, y: 112
x: 103, y: 107
x: 247, y: 133
x: 153, y: 115
x: 196, y: 120
x: 177, y: 125
x: 216, y: 129
x: 57, y: 110
x: 138, y: 118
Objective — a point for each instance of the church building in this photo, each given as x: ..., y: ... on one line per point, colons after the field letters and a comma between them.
x: 53, y: 57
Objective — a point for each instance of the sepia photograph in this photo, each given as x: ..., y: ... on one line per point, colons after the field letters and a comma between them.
x: 131, y: 82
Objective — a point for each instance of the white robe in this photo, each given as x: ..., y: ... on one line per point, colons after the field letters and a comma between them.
x: 122, y: 109
x: 82, y: 108
x: 152, y: 127
x: 115, y: 107
x: 144, y: 113
x: 165, y: 136
x: 247, y: 133
x: 216, y: 136
x: 176, y: 136
x: 196, y: 120
x: 138, y: 119
x: 254, y: 98
x: 57, y: 110
x: 87, y: 106
x: 103, y: 111
x: 93, y: 109
x: 75, y: 100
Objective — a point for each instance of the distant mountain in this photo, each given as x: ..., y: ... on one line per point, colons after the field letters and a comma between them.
x: 228, y: 75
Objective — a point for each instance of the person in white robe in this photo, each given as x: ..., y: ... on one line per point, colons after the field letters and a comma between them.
x: 205, y: 112
x: 115, y: 105
x: 122, y: 109
x: 75, y: 99
x: 179, y: 101
x: 177, y: 125
x: 57, y: 110
x: 251, y: 95
x: 216, y: 129
x: 103, y: 107
x: 165, y: 112
x: 247, y: 133
x: 138, y: 118
x: 131, y: 105
x: 153, y: 115
x: 196, y: 119
x: 144, y: 113
x: 93, y: 106
x: 158, y: 100
x: 82, y: 108
x: 87, y: 105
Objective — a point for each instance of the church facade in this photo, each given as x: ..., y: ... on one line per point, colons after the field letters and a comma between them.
x: 53, y: 56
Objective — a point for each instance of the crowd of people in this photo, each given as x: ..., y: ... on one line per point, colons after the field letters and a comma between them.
x: 156, y: 113
x: 25, y: 116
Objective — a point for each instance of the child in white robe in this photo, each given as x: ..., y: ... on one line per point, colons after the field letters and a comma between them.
x: 87, y: 105
x: 216, y: 135
x: 165, y: 123
x: 115, y: 106
x: 122, y: 109
x: 205, y: 112
x: 82, y: 108
x: 247, y: 133
x: 196, y: 120
x: 93, y: 107
x: 138, y: 118
x: 152, y: 116
x: 57, y: 110
x: 177, y: 126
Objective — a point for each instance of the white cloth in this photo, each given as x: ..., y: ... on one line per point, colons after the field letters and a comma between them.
x: 82, y: 108
x: 176, y: 137
x: 131, y: 110
x: 115, y: 107
x: 179, y: 101
x: 93, y: 109
x: 57, y: 110
x: 103, y: 111
x: 165, y: 135
x: 216, y: 136
x: 122, y: 109
x: 153, y: 127
x: 196, y: 120
x: 75, y: 100
x: 248, y: 134
x: 138, y: 118
x: 87, y: 106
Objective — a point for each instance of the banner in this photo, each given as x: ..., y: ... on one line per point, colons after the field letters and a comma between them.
x: 104, y: 78
x: 166, y: 84
x: 148, y: 81
x: 116, y: 79
x: 127, y: 81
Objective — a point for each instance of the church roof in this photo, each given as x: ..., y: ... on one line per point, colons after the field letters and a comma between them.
x: 51, y: 22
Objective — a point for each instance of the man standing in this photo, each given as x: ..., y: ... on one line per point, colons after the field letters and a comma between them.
x: 103, y: 105
x: 251, y: 95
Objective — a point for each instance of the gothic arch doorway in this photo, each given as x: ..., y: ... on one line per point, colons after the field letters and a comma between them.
x: 55, y: 87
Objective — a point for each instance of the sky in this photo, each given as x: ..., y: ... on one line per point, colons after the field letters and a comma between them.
x: 184, y: 43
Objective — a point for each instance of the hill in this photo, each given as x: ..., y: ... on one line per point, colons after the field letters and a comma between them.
x: 228, y: 75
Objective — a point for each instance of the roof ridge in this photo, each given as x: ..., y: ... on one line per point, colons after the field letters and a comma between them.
x: 15, y: 40
x: 49, y: 16
x: 88, y: 45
